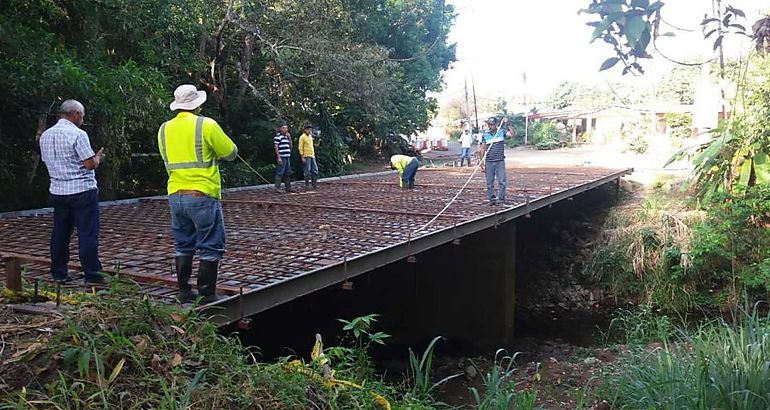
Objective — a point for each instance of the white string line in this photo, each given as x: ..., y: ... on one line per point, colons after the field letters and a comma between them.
x: 252, y: 169
x: 486, y: 150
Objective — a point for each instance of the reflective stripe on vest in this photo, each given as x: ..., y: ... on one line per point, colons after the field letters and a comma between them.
x: 199, y: 163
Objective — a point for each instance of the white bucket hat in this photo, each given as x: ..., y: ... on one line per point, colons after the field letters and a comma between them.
x: 187, y: 97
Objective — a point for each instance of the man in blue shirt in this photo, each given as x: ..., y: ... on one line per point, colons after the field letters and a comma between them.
x: 493, y: 144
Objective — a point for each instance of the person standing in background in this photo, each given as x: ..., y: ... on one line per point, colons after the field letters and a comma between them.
x: 465, y: 146
x: 282, y: 145
x: 307, y: 154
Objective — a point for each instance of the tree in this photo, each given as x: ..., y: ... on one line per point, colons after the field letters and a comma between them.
x: 564, y: 95
x: 581, y: 96
x: 678, y: 85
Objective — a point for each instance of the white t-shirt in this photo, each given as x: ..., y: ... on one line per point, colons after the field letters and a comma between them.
x: 465, y: 140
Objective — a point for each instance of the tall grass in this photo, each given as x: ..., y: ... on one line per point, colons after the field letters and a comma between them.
x: 643, y: 253
x: 420, y: 370
x: 639, y: 326
x: 499, y: 388
x: 720, y: 366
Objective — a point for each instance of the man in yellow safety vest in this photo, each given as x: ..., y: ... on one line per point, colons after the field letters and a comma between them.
x: 407, y: 169
x: 190, y: 146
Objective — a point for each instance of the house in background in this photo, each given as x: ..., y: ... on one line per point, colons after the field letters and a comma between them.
x: 614, y: 123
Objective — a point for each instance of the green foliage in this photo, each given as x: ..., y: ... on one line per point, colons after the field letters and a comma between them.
x: 420, y: 375
x: 640, y: 326
x: 548, y: 134
x: 361, y: 326
x: 733, y: 244
x: 678, y: 85
x: 564, y: 95
x: 331, y: 150
x: 631, y: 28
x: 119, y: 351
x: 576, y: 95
x: 665, y: 256
x: 679, y: 124
x: 642, y: 255
x: 638, y: 143
x: 719, y: 366
x: 356, y: 359
x: 627, y: 26
x: 499, y: 387
x: 738, y: 155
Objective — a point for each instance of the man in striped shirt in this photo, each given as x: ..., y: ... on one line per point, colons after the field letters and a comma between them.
x: 493, y: 144
x: 282, y: 145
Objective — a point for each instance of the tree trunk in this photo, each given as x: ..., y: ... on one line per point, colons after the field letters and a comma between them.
x: 36, y: 162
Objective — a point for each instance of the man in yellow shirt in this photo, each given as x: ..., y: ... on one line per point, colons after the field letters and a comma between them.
x: 407, y: 169
x: 190, y: 146
x: 307, y: 153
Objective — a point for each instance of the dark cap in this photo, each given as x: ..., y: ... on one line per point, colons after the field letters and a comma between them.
x: 307, y: 126
x: 492, y: 120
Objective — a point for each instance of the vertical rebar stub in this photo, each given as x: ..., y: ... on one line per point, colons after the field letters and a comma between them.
x: 410, y: 258
x: 346, y: 284
x: 35, y: 296
x: 13, y: 274
x: 244, y: 323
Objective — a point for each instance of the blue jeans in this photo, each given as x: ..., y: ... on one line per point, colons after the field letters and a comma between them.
x: 496, y: 169
x: 197, y: 223
x: 283, y: 170
x: 79, y: 211
x: 465, y: 153
x: 310, y: 168
x: 410, y: 171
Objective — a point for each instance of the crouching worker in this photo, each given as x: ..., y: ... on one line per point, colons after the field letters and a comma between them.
x: 407, y: 169
x: 191, y: 146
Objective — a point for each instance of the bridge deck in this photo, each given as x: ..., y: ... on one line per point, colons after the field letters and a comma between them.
x: 282, y: 246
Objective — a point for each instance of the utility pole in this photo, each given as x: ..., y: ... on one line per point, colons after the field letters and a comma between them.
x: 716, y: 8
x: 467, y: 107
x: 475, y: 108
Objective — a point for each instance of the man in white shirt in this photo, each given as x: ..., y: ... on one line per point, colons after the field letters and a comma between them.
x: 465, y: 143
x: 66, y: 151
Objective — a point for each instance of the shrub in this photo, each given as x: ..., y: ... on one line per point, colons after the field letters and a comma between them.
x: 733, y: 244
x: 680, y: 127
x: 676, y: 259
x: 548, y: 134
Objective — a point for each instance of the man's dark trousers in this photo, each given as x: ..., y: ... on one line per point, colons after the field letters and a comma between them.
x: 79, y: 211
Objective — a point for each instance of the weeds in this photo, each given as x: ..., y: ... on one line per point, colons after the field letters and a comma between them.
x: 643, y: 254
x: 500, y: 388
x: 117, y: 351
x: 640, y: 326
x: 420, y: 372
x: 719, y: 366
